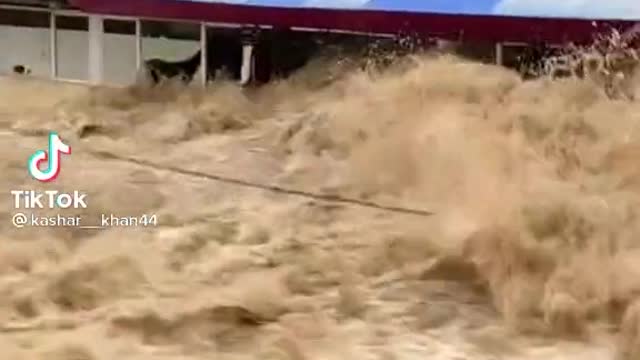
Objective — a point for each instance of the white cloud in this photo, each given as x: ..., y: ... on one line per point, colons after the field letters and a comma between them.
x: 603, y: 9
x: 337, y: 3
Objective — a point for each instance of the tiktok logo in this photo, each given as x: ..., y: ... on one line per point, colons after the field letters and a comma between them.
x: 52, y: 157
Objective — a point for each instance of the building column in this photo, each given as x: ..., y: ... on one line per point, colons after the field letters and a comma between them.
x: 499, y: 54
x: 247, y: 64
x: 96, y: 49
x: 138, y: 44
x: 249, y: 36
x: 204, y: 71
x: 53, y: 45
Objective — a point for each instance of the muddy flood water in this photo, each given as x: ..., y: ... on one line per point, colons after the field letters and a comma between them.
x: 531, y: 251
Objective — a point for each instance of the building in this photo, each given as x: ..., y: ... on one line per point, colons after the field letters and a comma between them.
x: 115, y: 34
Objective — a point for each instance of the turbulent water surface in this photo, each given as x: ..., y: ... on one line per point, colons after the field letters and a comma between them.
x: 532, y: 251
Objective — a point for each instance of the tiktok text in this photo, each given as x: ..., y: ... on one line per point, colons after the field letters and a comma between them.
x: 48, y: 199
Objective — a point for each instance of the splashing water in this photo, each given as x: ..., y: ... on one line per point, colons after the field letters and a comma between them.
x: 532, y: 253
x: 611, y: 61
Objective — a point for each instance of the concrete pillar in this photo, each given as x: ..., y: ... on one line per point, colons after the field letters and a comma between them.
x: 203, y: 54
x: 138, y: 44
x: 96, y: 49
x: 247, y: 64
x: 53, y: 45
x: 499, y: 54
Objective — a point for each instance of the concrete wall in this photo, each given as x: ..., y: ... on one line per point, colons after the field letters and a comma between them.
x: 73, y: 54
x: 30, y: 46
x: 23, y: 45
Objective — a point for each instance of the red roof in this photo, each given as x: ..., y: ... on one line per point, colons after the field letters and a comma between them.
x: 447, y: 26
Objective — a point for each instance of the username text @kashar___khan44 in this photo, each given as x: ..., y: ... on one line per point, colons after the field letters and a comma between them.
x: 21, y: 220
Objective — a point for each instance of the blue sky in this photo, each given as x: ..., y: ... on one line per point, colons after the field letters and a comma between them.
x: 446, y: 6
x: 612, y: 9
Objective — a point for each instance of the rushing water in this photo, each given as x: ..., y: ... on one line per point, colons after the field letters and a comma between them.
x: 531, y: 252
